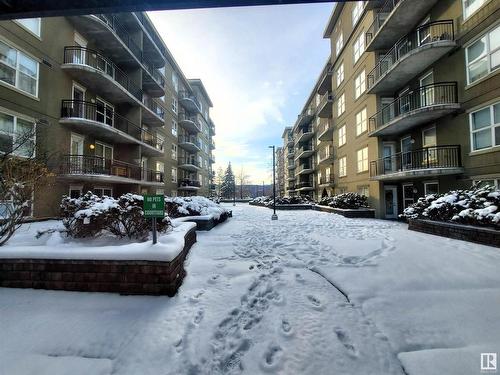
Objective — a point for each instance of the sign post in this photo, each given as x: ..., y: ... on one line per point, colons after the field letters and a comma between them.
x: 154, y: 207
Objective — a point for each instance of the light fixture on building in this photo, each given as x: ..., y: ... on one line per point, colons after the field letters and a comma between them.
x: 92, y: 146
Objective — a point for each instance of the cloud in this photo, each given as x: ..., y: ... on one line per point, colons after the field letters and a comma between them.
x: 258, y: 65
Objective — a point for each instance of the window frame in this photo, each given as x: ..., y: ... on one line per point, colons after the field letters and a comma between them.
x: 173, y: 178
x: 360, y: 86
x: 343, y: 166
x: 341, y: 70
x: 492, y: 127
x: 14, y: 133
x: 466, y: 17
x: 341, y: 105
x: 342, y: 135
x: 356, y: 47
x: 339, y: 43
x: 488, y: 54
x: 357, y: 12
x: 361, y: 129
x: 362, y: 160
x: 37, y: 34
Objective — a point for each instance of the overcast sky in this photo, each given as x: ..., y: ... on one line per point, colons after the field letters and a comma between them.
x: 258, y: 65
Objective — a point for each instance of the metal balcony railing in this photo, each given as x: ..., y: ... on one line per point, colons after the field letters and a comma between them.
x: 304, y: 130
x: 326, y: 153
x: 95, y: 165
x: 326, y: 179
x: 150, y: 30
x: 421, y: 36
x: 325, y: 98
x: 304, y: 184
x: 153, y: 106
x: 187, y: 95
x: 425, y: 158
x: 189, y: 160
x: 186, y: 182
x: 190, y: 139
x: 93, y: 112
x: 305, y: 148
x: 305, y: 166
x: 380, y: 16
x: 88, y: 57
x: 425, y: 96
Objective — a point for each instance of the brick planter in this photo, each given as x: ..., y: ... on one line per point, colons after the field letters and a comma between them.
x: 115, y: 276
x: 205, y: 225
x: 366, y: 213
x: 285, y: 207
x: 481, y: 235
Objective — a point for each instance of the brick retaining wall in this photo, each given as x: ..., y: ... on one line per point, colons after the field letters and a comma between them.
x: 485, y: 236
x: 365, y: 213
x: 115, y: 276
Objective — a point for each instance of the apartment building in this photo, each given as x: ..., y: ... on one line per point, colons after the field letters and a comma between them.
x: 414, y: 92
x: 288, y: 166
x: 112, y: 109
x: 280, y: 172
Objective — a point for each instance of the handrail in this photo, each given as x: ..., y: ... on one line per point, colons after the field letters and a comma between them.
x: 183, y: 94
x: 153, y: 106
x: 327, y: 179
x: 424, y: 96
x: 443, y: 156
x: 442, y: 30
x: 326, y: 153
x: 189, y: 160
x: 189, y: 139
x: 89, y: 111
x: 380, y: 17
x: 186, y: 182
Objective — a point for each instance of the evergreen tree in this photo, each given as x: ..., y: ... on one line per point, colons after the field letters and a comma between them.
x: 228, y: 182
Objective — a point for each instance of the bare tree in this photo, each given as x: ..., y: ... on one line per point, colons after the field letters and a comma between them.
x: 21, y: 169
x: 242, y: 180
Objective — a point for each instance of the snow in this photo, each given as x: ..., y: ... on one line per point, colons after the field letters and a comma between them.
x: 264, y: 296
x: 57, y: 246
x: 201, y: 205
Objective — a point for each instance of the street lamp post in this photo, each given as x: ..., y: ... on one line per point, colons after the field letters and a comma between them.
x: 234, y: 191
x: 274, y: 216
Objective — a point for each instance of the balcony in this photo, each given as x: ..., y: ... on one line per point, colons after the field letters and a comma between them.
x: 190, y: 123
x: 152, y: 112
x: 290, y: 142
x: 304, y: 186
x: 291, y: 178
x: 190, y: 144
x: 188, y: 184
x: 427, y: 162
x: 305, y: 151
x: 325, y: 107
x: 211, y: 158
x: 291, y: 153
x: 189, y: 102
x: 212, y: 127
x: 291, y: 187
x: 326, y: 180
x: 212, y: 144
x: 112, y: 35
x: 326, y: 155
x: 153, y: 45
x: 305, y: 118
x: 394, y: 19
x: 189, y: 164
x: 411, y: 55
x: 291, y: 166
x: 306, y: 168
x: 109, y: 126
x: 326, y: 131
x: 325, y: 84
x: 419, y: 106
x: 305, y: 134
x: 98, y: 169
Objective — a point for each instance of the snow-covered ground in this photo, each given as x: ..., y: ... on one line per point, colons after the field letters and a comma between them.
x: 266, y: 296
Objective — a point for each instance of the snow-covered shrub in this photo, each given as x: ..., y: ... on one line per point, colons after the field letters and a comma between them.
x: 91, y: 216
x: 345, y: 201
x: 193, y: 206
x: 477, y: 206
x: 268, y: 201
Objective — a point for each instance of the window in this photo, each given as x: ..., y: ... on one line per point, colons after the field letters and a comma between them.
x: 361, y: 123
x: 175, y: 81
x: 429, y: 137
x: 200, y: 179
x: 18, y: 70
x: 103, y: 191
x: 431, y: 187
x: 17, y: 136
x: 341, y: 105
x: 104, y: 112
x: 364, y: 190
x: 359, y: 84
x: 75, y: 191
x: 174, y: 175
x: 174, y: 151
x: 363, y: 160
x: 485, y: 127
x: 339, y: 44
x: 319, y: 178
x: 359, y: 47
x: 31, y: 24
x: 340, y: 74
x: 160, y: 191
x: 343, y: 166
x: 174, y: 105
x: 488, y: 181
x: 483, y: 56
x: 174, y: 128
x: 342, y: 135
x: 471, y: 6
x: 357, y: 10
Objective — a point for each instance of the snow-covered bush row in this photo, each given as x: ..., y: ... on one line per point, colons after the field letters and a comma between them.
x: 193, y: 206
x: 91, y: 216
x: 345, y: 201
x: 477, y: 206
x: 268, y: 201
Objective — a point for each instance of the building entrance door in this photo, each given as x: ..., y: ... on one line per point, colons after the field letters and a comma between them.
x: 391, y: 202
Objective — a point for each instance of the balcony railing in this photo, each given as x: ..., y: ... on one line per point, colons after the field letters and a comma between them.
x: 304, y: 131
x: 304, y: 184
x: 157, y: 109
x: 186, y: 95
x: 326, y: 180
x: 423, y: 35
x: 305, y: 167
x: 425, y: 158
x: 305, y: 148
x: 189, y: 161
x: 379, y: 18
x: 92, y: 112
x: 186, y: 182
x: 190, y: 139
x: 326, y: 100
x: 326, y: 153
x: 95, y: 165
x: 88, y: 57
x: 155, y: 38
x: 419, y: 98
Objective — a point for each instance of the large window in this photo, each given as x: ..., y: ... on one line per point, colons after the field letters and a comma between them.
x: 174, y: 105
x: 17, y: 136
x: 340, y: 43
x: 18, y: 69
x: 31, y: 24
x: 174, y: 128
x: 342, y: 135
x: 343, y: 166
x: 363, y: 160
x: 175, y: 81
x: 174, y: 174
x: 361, y: 123
x: 359, y: 46
x: 341, y: 105
x: 483, y: 56
x: 485, y: 127
x: 340, y: 74
x: 174, y: 151
x: 357, y: 10
x: 470, y: 6
x: 359, y: 84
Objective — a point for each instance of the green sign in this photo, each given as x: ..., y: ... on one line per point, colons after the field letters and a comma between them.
x: 154, y: 206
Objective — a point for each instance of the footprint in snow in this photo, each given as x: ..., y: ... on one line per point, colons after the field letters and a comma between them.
x: 178, y: 344
x: 315, y: 302
x: 286, y: 327
x: 195, y: 298
x: 199, y: 316
x: 213, y: 279
x: 299, y: 278
x: 346, y: 341
x: 273, y: 358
